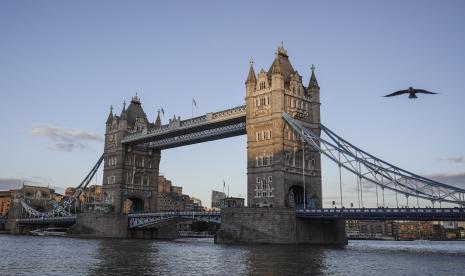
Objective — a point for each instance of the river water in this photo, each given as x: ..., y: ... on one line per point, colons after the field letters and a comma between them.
x: 27, y: 255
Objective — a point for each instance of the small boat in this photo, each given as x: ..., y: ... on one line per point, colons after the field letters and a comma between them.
x: 421, y: 240
x: 49, y: 232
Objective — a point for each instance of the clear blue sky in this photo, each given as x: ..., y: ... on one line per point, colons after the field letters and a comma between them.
x: 62, y: 63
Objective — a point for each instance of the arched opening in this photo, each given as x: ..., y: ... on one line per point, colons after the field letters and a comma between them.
x: 133, y: 205
x: 296, y: 197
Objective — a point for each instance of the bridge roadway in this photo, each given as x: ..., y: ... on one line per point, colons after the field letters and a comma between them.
x: 423, y: 214
x: 152, y: 220
x: 209, y: 127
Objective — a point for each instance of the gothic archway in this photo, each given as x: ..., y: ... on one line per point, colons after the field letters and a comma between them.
x: 133, y: 205
x: 296, y: 197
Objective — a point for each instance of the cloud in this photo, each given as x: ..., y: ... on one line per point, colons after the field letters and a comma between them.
x: 7, y: 183
x: 454, y: 179
x: 66, y: 140
x: 11, y: 183
x: 456, y: 159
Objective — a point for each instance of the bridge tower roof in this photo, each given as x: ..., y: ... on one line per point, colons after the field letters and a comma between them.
x: 135, y: 110
x: 282, y: 63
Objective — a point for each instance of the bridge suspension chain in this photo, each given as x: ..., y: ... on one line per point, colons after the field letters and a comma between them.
x: 62, y: 207
x: 372, y: 169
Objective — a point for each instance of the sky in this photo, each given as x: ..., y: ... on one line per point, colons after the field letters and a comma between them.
x: 63, y: 63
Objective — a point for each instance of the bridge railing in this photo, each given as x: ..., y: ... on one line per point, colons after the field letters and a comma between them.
x: 436, y: 214
x: 174, y: 213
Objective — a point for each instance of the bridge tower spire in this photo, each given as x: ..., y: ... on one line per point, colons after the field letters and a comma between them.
x: 274, y: 152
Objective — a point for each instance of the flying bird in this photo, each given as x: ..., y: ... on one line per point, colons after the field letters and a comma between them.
x: 411, y: 92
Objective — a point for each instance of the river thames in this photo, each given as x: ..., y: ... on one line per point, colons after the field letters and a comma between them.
x: 27, y: 255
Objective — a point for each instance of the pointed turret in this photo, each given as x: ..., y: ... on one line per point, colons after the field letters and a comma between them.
x: 251, y: 79
x: 110, y: 116
x: 313, y: 83
x: 277, y: 76
x: 158, y: 120
x: 123, y: 115
x: 276, y: 67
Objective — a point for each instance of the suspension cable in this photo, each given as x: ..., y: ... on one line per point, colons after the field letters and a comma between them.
x: 382, y: 189
x: 361, y: 186
x: 340, y: 177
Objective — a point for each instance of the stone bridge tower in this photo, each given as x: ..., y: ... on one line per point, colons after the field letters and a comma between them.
x: 130, y: 173
x: 274, y: 151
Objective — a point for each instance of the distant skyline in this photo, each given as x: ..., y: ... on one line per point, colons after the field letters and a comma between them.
x: 62, y: 64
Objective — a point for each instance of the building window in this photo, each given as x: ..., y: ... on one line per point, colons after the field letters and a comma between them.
x: 259, y: 180
x: 270, y: 179
x: 265, y: 161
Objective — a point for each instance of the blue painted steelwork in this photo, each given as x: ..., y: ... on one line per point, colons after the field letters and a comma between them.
x: 149, y: 220
x: 60, y: 210
x: 373, y: 169
x: 423, y: 214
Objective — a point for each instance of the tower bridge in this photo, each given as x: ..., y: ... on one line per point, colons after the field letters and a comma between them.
x: 285, y: 142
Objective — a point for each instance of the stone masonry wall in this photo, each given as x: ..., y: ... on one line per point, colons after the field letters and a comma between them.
x: 277, y: 225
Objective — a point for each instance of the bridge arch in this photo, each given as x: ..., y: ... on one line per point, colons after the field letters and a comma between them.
x: 133, y: 204
x: 295, y: 196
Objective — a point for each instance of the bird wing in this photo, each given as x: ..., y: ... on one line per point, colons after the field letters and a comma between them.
x: 424, y: 91
x: 397, y: 93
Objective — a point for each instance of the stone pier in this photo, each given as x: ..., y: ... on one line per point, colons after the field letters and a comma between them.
x: 277, y: 226
x: 90, y: 225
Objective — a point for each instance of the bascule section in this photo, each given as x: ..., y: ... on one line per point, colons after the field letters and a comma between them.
x: 282, y: 171
x: 130, y: 176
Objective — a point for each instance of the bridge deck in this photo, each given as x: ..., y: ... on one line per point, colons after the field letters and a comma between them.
x: 424, y: 214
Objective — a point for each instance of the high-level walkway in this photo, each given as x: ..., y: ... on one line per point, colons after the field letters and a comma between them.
x: 211, y: 126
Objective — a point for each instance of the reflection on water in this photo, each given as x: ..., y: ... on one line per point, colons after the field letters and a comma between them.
x: 117, y: 257
x: 22, y: 255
